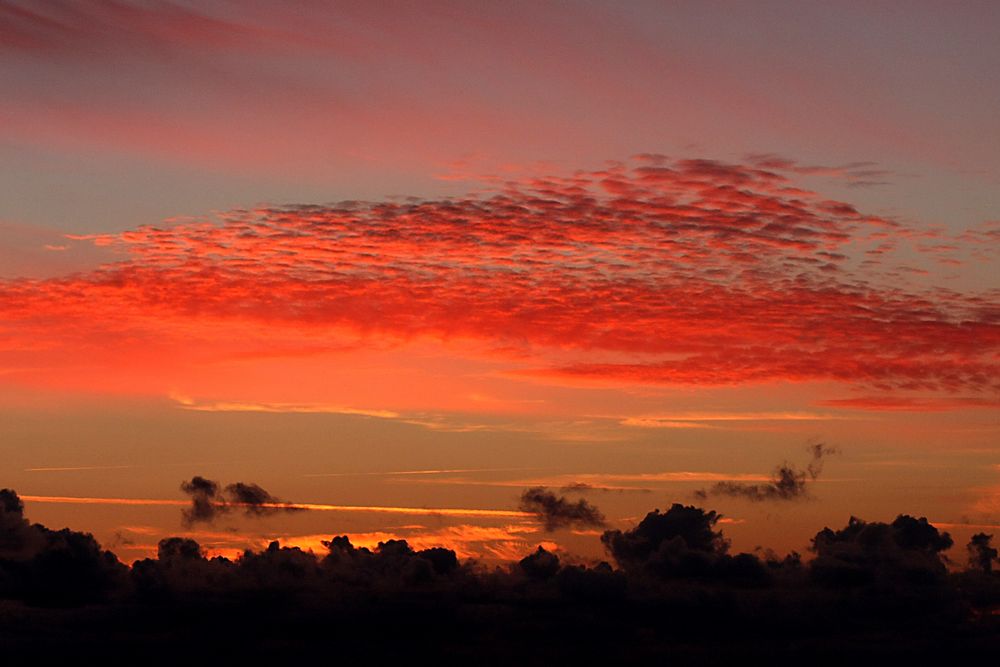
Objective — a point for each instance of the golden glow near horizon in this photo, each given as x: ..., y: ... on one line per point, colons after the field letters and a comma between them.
x: 318, y: 507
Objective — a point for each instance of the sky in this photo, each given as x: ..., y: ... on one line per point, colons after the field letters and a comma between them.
x: 400, y: 262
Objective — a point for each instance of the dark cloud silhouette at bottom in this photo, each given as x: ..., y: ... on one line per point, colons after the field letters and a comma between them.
x: 875, y: 593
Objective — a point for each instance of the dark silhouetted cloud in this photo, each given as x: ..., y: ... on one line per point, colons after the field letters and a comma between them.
x: 208, y: 502
x: 872, y: 588
x: 556, y: 512
x: 182, y: 548
x: 53, y: 567
x: 541, y: 564
x: 982, y: 554
x: 254, y: 500
x: 681, y: 542
x: 787, y: 483
x: 861, y: 553
x: 16, y: 535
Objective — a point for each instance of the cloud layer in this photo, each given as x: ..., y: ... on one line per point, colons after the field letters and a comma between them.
x: 671, y: 272
x: 872, y: 587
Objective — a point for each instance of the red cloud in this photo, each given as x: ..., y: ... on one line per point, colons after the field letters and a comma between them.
x: 685, y: 272
x: 98, y: 28
x: 910, y: 404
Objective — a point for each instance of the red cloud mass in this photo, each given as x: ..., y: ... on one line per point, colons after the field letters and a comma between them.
x: 657, y: 271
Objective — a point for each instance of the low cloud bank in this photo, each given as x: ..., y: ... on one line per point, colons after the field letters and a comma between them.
x: 671, y: 587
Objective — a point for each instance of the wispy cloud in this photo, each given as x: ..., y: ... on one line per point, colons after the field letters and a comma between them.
x: 405, y: 473
x: 911, y: 403
x: 307, y: 408
x: 710, y: 419
x: 589, y: 481
x: 854, y: 174
x: 77, y: 468
x: 318, y: 507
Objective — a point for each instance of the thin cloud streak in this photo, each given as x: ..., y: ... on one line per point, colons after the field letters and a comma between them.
x: 601, y: 481
x: 741, y: 416
x: 911, y: 404
x: 709, y: 420
x: 319, y: 408
x: 318, y: 507
x: 77, y: 468
x: 392, y: 473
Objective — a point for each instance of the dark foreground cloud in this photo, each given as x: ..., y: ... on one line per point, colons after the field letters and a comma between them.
x: 209, y: 500
x: 874, y: 593
x: 687, y: 527
x: 53, y: 567
x: 860, y: 553
x: 681, y: 543
x: 787, y: 482
x: 982, y: 554
x: 557, y: 512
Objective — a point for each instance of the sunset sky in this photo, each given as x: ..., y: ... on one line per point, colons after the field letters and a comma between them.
x: 398, y: 262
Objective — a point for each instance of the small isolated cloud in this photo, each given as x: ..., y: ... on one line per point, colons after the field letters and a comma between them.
x: 205, y: 501
x: 209, y: 500
x: 557, y: 512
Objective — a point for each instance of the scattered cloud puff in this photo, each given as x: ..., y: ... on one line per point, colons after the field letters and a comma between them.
x: 556, y: 512
x: 675, y: 272
x: 209, y: 500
